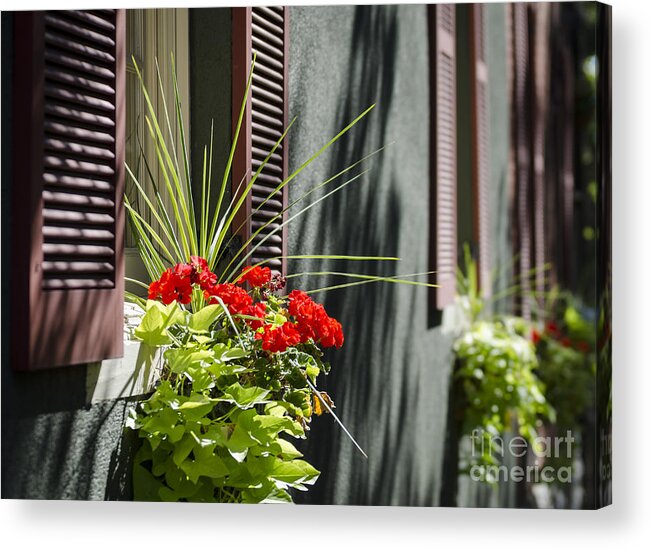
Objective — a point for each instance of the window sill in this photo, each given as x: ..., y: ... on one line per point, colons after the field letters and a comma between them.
x: 134, y: 374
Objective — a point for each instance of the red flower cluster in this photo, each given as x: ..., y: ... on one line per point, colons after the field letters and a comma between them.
x: 238, y: 302
x: 175, y: 284
x: 313, y: 322
x: 310, y: 319
x: 552, y: 329
x: 256, y: 276
x: 535, y: 336
x: 276, y: 339
x: 554, y: 332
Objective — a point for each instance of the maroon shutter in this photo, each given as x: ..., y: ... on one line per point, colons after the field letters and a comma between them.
x: 521, y: 143
x: 264, y: 31
x: 68, y: 152
x: 480, y: 140
x: 540, y: 93
x: 443, y: 144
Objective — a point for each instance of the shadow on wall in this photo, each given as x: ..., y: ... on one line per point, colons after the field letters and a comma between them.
x: 371, y: 381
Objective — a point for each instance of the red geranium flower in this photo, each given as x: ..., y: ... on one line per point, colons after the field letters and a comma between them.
x: 583, y: 346
x: 566, y: 342
x: 331, y: 334
x: 276, y: 339
x: 552, y: 329
x: 172, y: 286
x: 535, y: 336
x: 256, y: 276
x: 198, y: 263
x: 313, y: 321
x: 206, y: 279
x: 258, y: 310
x: 236, y: 299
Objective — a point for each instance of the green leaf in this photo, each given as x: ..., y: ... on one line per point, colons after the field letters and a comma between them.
x: 179, y: 360
x: 285, y: 450
x: 182, y: 449
x: 155, y: 322
x: 164, y: 423
x: 264, y: 429
x: 244, y: 397
x: 295, y: 471
x: 196, y: 407
x: 312, y: 370
x: 203, y: 319
x: 145, y: 485
x: 225, y: 353
x: 212, y: 467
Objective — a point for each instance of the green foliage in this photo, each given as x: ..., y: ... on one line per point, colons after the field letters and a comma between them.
x: 567, y: 364
x: 218, y: 426
x: 496, y: 368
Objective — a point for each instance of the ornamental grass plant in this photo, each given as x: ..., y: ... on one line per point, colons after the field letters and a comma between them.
x: 241, y: 358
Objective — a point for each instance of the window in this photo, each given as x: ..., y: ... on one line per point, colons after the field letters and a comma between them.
x: 152, y: 34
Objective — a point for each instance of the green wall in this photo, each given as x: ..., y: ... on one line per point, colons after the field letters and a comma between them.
x: 390, y: 379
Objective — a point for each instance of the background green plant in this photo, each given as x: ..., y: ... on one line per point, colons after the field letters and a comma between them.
x: 567, y: 363
x: 495, y: 371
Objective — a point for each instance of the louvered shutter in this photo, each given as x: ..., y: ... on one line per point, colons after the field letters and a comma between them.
x: 480, y: 139
x: 264, y: 31
x: 540, y: 93
x: 521, y: 143
x: 443, y: 144
x: 67, y: 226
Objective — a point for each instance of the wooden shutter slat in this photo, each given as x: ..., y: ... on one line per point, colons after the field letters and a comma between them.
x: 271, y: 15
x: 76, y: 217
x: 68, y: 186
x: 64, y: 76
x: 70, y: 250
x: 88, y: 283
x: 270, y: 167
x: 79, y: 65
x: 271, y: 30
x: 85, y: 200
x: 443, y: 171
x: 72, y: 148
x: 92, y: 19
x: 58, y: 20
x: 262, y: 119
x: 260, y: 140
x: 81, y: 166
x: 77, y: 132
x: 56, y: 91
x: 72, y: 182
x: 93, y: 54
x: 72, y: 234
x: 267, y: 108
x: 71, y: 114
x: 271, y: 98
